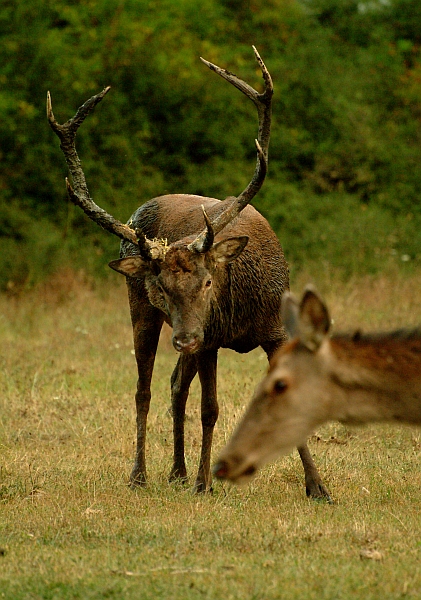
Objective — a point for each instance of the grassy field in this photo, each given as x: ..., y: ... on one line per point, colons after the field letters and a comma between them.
x: 70, y: 527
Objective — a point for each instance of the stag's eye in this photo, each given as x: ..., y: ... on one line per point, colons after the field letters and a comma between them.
x: 280, y: 386
x: 208, y: 283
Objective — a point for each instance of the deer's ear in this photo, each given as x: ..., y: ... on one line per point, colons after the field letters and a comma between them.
x: 314, y: 320
x: 290, y: 314
x: 229, y: 249
x: 132, y: 266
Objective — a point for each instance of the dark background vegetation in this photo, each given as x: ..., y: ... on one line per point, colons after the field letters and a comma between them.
x: 344, y: 182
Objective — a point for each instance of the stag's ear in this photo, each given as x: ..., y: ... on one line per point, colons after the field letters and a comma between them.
x: 314, y: 320
x: 132, y: 266
x: 229, y: 249
x: 290, y: 314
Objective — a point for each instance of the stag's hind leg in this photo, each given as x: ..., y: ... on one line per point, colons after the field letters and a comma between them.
x: 314, y: 485
x: 183, y: 375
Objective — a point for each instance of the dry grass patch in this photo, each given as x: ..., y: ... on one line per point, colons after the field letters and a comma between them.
x: 71, y: 528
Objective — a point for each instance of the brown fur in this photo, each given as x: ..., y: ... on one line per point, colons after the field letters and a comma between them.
x: 397, y: 352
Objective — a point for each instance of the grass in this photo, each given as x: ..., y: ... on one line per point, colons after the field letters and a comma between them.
x: 71, y: 528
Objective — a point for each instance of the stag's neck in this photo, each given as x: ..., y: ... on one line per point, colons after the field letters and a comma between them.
x: 378, y: 376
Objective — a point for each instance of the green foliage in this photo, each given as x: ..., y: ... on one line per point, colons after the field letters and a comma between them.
x: 346, y: 117
x: 336, y: 230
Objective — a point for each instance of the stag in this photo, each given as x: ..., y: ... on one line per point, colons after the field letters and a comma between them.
x: 352, y: 378
x: 213, y: 270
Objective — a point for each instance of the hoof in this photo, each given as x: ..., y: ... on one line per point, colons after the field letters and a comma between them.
x: 137, y: 480
x: 319, y: 493
x: 178, y: 475
x: 178, y: 479
x: 201, y: 488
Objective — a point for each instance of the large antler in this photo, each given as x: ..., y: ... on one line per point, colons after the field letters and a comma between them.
x: 79, y: 195
x: 235, y: 205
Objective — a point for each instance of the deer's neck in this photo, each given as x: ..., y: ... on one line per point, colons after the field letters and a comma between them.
x: 378, y: 378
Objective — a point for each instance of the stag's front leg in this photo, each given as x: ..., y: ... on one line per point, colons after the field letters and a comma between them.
x: 181, y: 379
x: 147, y: 322
x: 145, y: 361
x: 206, y: 363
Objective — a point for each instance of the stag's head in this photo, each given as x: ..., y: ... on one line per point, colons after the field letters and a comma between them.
x: 182, y: 279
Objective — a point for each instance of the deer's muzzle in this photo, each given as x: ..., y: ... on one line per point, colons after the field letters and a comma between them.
x: 235, y: 470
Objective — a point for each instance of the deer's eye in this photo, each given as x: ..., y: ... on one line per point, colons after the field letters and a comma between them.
x: 280, y: 386
x: 208, y: 283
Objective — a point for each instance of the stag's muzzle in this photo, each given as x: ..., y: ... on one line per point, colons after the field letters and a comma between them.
x: 186, y: 345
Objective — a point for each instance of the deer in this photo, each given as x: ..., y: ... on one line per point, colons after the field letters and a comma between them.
x: 353, y: 378
x: 212, y: 269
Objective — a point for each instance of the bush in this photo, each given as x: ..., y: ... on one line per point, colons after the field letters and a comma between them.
x: 346, y: 118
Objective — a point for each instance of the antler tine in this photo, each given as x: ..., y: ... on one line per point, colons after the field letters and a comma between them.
x: 263, y: 103
x: 75, y: 122
x: 204, y: 241
x: 80, y: 194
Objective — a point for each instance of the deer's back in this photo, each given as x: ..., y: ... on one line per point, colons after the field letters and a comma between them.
x: 394, y: 355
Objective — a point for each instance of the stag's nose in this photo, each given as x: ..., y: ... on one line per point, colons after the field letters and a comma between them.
x: 185, y: 345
